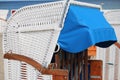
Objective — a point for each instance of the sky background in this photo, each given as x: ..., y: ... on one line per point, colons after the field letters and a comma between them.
x: 16, y: 4
x: 106, y: 4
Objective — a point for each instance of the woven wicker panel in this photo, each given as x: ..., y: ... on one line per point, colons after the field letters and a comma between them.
x: 32, y: 31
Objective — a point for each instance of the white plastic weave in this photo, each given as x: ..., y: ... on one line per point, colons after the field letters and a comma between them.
x: 32, y: 31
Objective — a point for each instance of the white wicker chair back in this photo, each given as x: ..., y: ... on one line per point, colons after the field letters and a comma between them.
x: 32, y: 31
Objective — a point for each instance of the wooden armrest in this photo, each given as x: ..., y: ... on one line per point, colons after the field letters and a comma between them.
x: 57, y: 73
x: 26, y: 59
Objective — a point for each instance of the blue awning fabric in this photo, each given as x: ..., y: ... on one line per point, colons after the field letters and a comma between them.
x: 84, y: 27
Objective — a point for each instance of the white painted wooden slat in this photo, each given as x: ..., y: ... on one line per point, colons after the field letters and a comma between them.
x: 3, y: 15
x: 111, y: 55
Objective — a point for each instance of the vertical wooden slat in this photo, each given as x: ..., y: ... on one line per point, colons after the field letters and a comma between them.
x: 67, y: 60
x: 81, y: 68
x: 111, y: 62
x: 75, y: 67
x: 63, y: 59
x: 1, y: 59
x: 119, y: 65
x: 71, y: 67
x: 83, y: 71
x: 116, y: 68
x: 107, y: 66
x: 57, y: 60
x: 79, y: 64
x: 86, y: 64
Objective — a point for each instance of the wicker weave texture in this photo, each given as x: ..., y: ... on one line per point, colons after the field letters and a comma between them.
x: 32, y: 31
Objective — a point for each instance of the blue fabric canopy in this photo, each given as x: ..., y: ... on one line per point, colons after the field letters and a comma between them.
x: 84, y: 27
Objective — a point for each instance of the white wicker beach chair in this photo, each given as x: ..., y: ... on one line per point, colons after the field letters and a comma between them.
x: 31, y: 35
